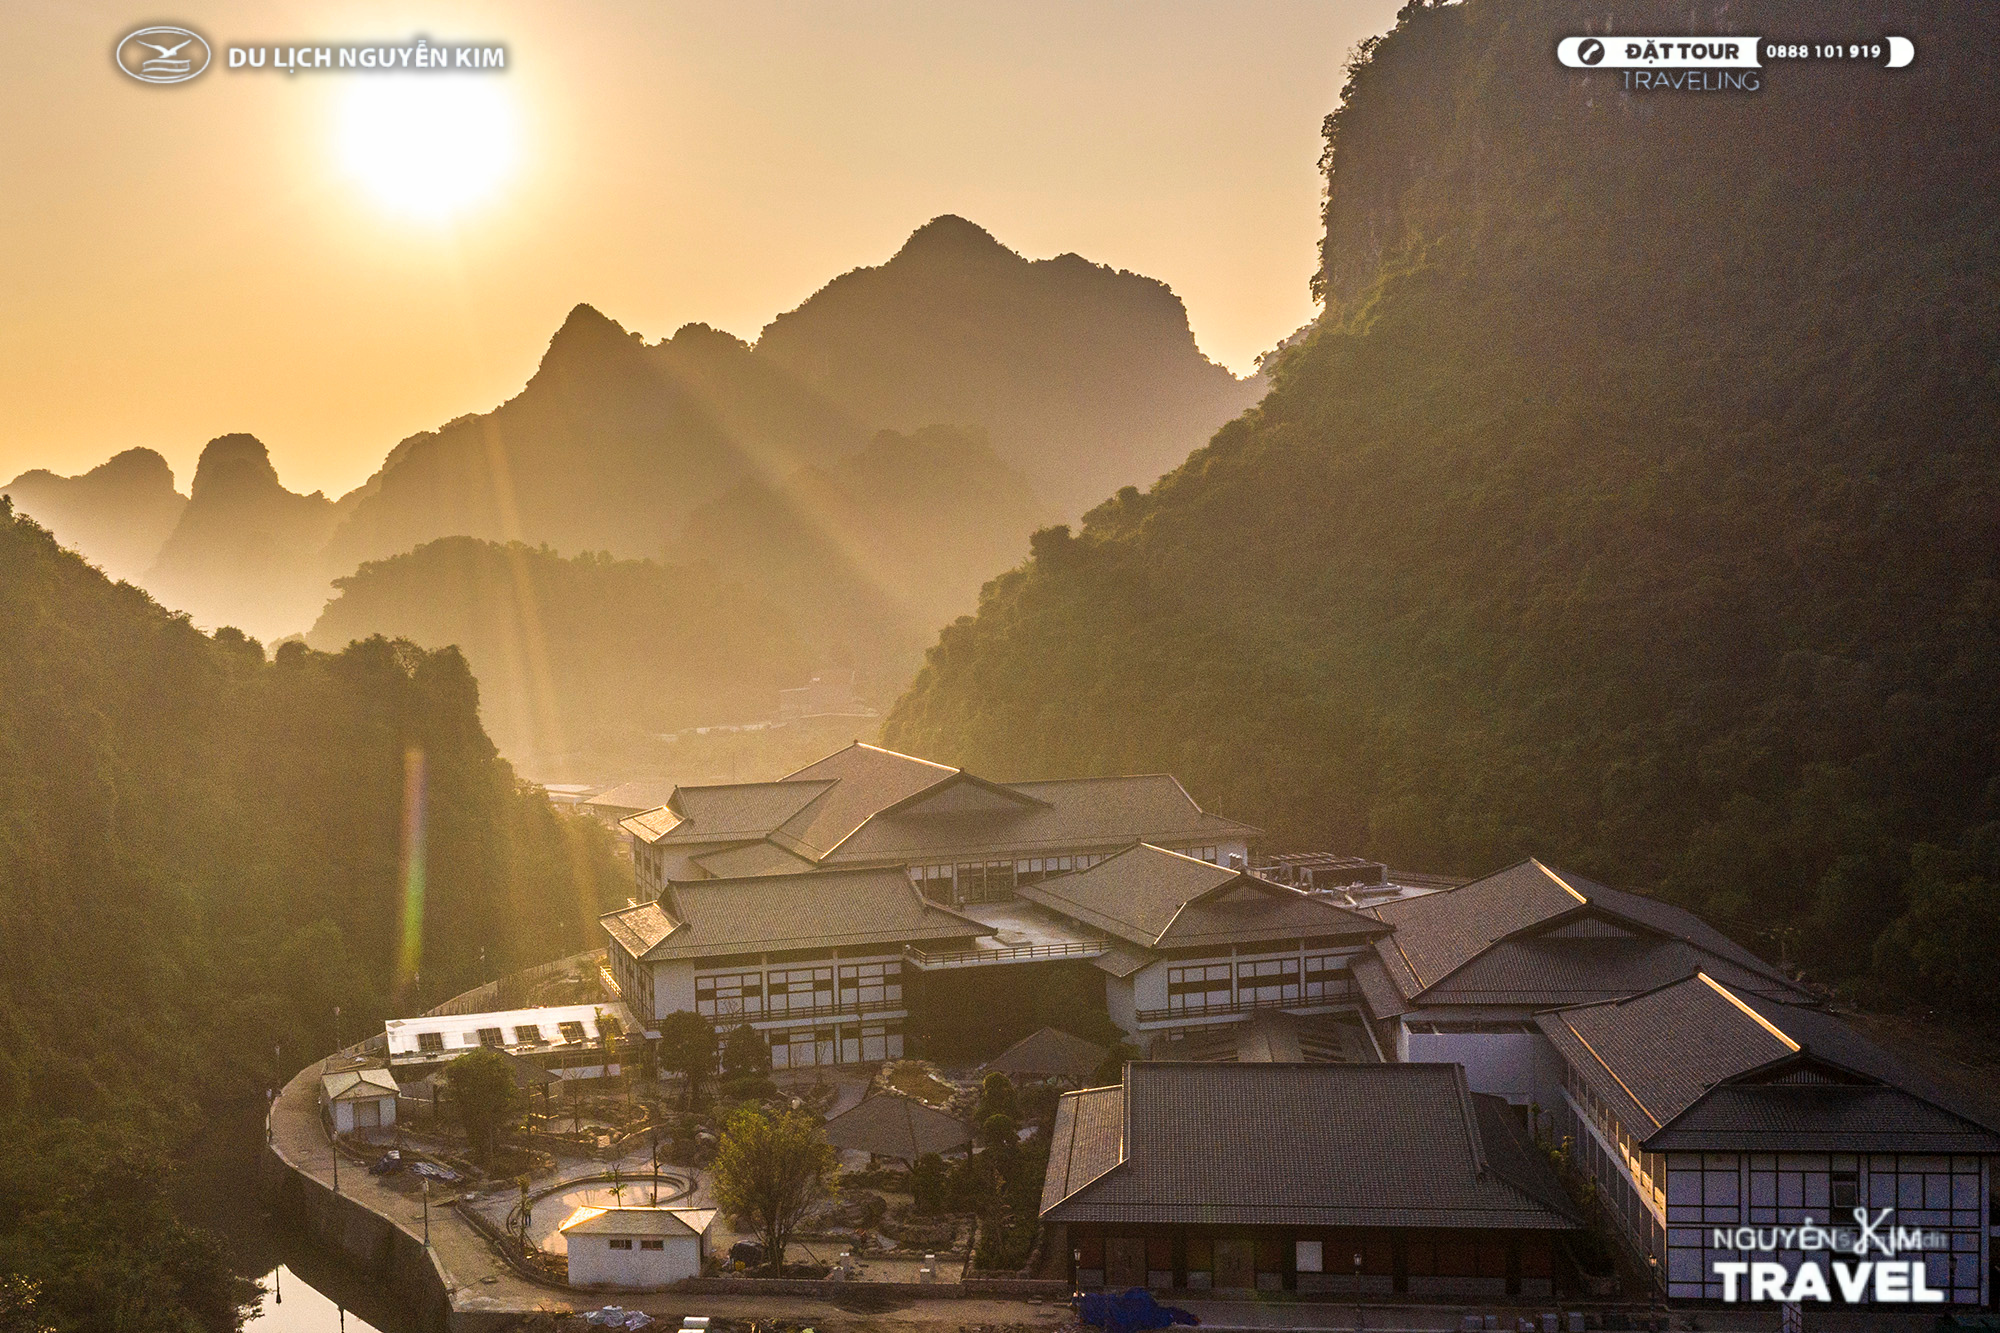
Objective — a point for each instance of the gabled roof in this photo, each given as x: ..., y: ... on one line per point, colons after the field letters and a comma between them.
x: 358, y: 1085
x: 868, y: 805
x: 1698, y: 1065
x: 766, y: 913
x: 1532, y: 935
x: 637, y: 797
x: 638, y: 1221
x: 1157, y: 899
x: 899, y: 1127
x: 752, y: 858
x: 1301, y: 1145
x: 1050, y: 1053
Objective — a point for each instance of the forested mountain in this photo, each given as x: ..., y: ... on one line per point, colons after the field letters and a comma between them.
x: 200, y: 856
x: 245, y: 551
x: 578, y: 660
x: 870, y: 555
x: 609, y: 446
x: 118, y: 513
x: 1633, y: 504
x: 1085, y: 377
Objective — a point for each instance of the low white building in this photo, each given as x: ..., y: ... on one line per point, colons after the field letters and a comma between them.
x: 636, y: 1247
x: 568, y: 1039
x: 359, y: 1099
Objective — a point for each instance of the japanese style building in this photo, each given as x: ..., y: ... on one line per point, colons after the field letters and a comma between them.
x: 1306, y: 1178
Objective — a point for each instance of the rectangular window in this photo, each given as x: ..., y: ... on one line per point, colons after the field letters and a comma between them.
x: 800, y: 990
x: 1269, y: 980
x: 871, y: 983
x: 528, y: 1034
x: 729, y: 994
x: 1310, y: 1256
x: 571, y: 1032
x: 430, y: 1041
x: 1326, y: 978
x: 652, y: 1245
x: 1200, y: 987
x: 490, y: 1037
x: 1845, y: 1189
x: 619, y: 1243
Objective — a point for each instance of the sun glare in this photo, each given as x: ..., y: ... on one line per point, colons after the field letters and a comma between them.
x: 427, y: 148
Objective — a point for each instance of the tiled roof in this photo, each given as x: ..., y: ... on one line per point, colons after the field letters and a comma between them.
x: 1086, y: 1141
x: 1121, y: 960
x: 898, y: 1127
x: 1696, y: 1064
x: 1532, y: 935
x: 1083, y: 812
x: 660, y: 1221
x: 867, y: 805
x: 1372, y: 977
x: 1050, y: 1052
x: 1299, y: 1145
x: 753, y: 858
x: 1154, y: 898
x: 358, y: 1084
x: 824, y: 909
x: 636, y: 796
x: 638, y: 929
x: 737, y: 811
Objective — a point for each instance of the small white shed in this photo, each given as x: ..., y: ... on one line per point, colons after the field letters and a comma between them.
x: 636, y: 1247
x: 359, y: 1099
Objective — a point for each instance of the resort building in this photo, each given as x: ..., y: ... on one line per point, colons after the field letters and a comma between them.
x: 568, y: 1040
x: 360, y: 1097
x: 1702, y: 1107
x: 1307, y: 1178
x: 962, y: 839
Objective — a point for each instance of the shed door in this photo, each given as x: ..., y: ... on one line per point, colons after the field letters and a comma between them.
x: 367, y: 1115
x: 1125, y: 1261
x: 1235, y: 1262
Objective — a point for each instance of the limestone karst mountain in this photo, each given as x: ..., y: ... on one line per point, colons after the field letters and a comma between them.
x: 246, y: 551
x: 117, y: 514
x: 1086, y: 378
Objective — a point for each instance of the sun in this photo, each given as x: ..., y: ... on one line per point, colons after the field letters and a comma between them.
x: 427, y: 148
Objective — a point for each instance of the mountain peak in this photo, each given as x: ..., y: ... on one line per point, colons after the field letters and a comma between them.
x: 586, y: 335
x: 951, y: 237
x: 233, y: 462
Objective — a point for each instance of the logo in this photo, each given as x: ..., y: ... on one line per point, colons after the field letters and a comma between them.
x: 163, y: 55
x: 1590, y: 52
x: 1888, y: 1278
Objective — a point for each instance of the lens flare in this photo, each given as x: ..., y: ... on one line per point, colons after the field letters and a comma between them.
x: 411, y: 951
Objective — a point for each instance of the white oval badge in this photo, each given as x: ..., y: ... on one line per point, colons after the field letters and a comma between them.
x: 163, y: 55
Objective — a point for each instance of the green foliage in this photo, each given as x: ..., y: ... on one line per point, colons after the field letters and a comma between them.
x: 745, y: 1052
x: 1631, y: 506
x: 769, y: 1169
x: 200, y: 856
x: 484, y: 1096
x: 996, y: 1097
x: 582, y: 654
x: 687, y: 1048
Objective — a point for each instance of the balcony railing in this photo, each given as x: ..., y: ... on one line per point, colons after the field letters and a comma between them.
x: 1018, y: 953
x: 1342, y: 992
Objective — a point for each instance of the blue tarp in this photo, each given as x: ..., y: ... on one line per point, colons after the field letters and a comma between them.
x: 1133, y: 1310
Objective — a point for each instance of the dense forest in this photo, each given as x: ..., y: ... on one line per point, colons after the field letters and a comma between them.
x: 581, y: 660
x: 201, y: 855
x: 1633, y: 504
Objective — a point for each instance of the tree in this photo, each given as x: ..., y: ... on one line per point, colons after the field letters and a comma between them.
x: 482, y: 1088
x: 996, y: 1097
x: 744, y: 1051
x: 17, y: 1306
x: 687, y: 1047
x: 769, y: 1170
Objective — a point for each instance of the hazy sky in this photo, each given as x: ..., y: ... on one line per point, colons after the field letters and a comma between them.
x: 254, y: 252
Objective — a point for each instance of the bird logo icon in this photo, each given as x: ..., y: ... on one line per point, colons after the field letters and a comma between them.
x: 170, y: 61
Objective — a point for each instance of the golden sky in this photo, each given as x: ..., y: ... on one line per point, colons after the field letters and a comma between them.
x: 233, y: 253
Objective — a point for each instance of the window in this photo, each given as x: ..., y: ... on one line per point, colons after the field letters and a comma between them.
x: 430, y: 1041
x: 619, y: 1243
x: 528, y: 1034
x: 1268, y: 980
x: 800, y: 989
x: 570, y: 1031
x: 1326, y: 978
x: 490, y: 1037
x: 871, y: 983
x: 1845, y: 1188
x: 1198, y: 987
x: 652, y: 1245
x: 1311, y: 1256
x: 729, y: 994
